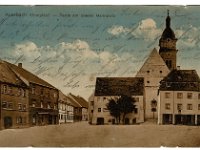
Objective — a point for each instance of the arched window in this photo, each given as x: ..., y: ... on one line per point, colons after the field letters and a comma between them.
x: 153, y: 104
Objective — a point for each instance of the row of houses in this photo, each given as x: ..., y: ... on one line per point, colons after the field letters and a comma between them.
x: 163, y: 91
x: 72, y: 108
x: 27, y: 100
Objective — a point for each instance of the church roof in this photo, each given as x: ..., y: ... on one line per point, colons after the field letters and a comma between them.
x: 116, y: 86
x: 168, y: 33
x: 153, y: 63
x: 181, y: 80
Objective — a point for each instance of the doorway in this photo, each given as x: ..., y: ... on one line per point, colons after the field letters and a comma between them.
x: 126, y: 120
x: 7, y: 122
x: 100, y: 121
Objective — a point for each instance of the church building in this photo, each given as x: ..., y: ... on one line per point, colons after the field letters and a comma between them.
x: 156, y: 67
x: 167, y: 89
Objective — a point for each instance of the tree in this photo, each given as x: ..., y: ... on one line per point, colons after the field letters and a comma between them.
x: 127, y: 106
x: 121, y: 106
x: 114, y: 109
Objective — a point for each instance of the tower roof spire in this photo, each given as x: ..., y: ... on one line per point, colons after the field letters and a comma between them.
x: 168, y: 20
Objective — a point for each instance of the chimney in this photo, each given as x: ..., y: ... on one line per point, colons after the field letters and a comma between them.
x: 178, y: 67
x: 20, y: 65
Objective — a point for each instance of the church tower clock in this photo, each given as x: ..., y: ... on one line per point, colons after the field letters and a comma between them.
x: 167, y: 45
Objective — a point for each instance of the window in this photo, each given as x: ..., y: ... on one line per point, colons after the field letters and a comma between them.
x: 148, y: 71
x: 153, y: 103
x: 179, y: 95
x: 19, y: 120
x: 24, y: 107
x: 148, y: 81
x: 92, y: 103
x: 33, y: 90
x: 41, y: 104
x: 54, y: 95
x: 189, y: 95
x: 179, y: 107
x: 34, y: 119
x: 23, y: 92
x: 99, y: 109
x: 48, y: 106
x: 55, y: 106
x: 4, y: 104
x: 167, y: 106
x: 60, y: 106
x: 198, y: 96
x: 5, y: 89
x: 198, y: 106
x: 33, y: 103
x: 167, y: 95
x: 20, y: 106
x: 9, y: 90
x: 189, y: 106
x: 10, y: 105
x: 19, y: 92
x: 48, y: 94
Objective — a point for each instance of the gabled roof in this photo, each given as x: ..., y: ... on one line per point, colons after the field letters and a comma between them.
x: 79, y: 100
x: 73, y: 100
x: 30, y: 77
x: 154, y: 62
x: 63, y: 98
x: 116, y: 86
x: 82, y: 101
x: 186, y: 80
x: 8, y: 76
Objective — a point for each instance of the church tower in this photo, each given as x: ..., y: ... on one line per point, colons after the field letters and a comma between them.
x: 167, y: 45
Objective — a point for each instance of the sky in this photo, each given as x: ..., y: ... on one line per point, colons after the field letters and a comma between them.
x: 69, y: 46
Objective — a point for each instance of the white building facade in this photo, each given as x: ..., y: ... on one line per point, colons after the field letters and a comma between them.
x: 66, y: 109
x: 153, y: 71
x: 111, y: 87
x: 179, y: 98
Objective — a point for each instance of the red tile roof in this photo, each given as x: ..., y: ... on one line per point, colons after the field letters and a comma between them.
x: 30, y: 77
x: 116, y: 86
x: 8, y: 76
x: 181, y: 80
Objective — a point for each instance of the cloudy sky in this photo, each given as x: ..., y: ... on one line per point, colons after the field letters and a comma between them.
x: 69, y: 46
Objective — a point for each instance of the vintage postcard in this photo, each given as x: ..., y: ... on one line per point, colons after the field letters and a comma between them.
x: 99, y: 76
